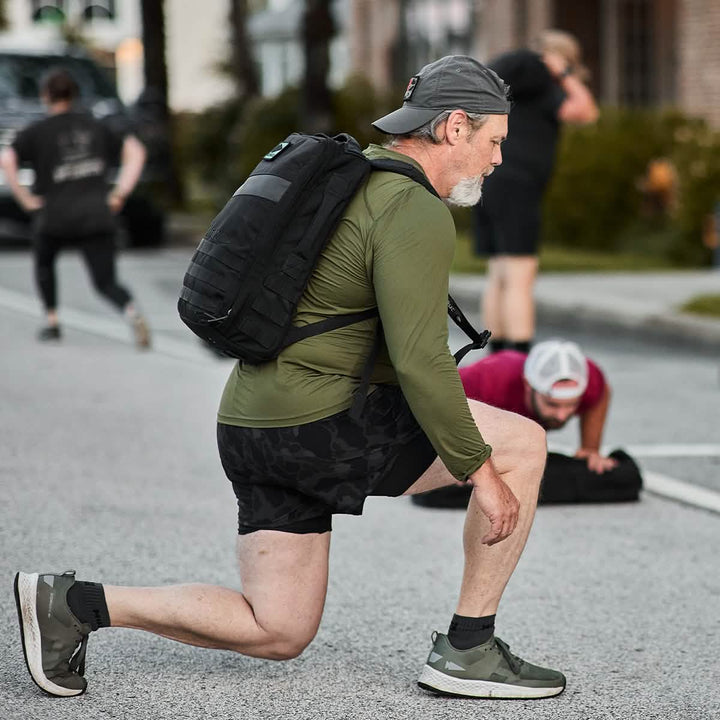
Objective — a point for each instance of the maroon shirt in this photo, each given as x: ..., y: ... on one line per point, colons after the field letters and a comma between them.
x: 498, y: 381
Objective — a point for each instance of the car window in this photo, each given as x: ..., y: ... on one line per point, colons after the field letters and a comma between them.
x: 21, y: 75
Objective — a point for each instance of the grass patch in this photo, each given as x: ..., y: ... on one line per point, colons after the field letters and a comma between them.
x: 708, y: 305
x: 558, y: 259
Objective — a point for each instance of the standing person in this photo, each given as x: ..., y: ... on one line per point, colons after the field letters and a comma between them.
x: 295, y: 455
x: 552, y: 384
x: 71, y: 154
x: 547, y: 89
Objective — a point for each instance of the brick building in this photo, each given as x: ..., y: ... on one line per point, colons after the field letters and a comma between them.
x: 655, y: 53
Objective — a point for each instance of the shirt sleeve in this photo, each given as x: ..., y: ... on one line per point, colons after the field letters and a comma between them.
x: 595, y: 388
x: 414, y: 242
x: 24, y: 146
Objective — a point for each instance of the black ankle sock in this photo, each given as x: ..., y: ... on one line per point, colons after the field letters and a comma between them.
x: 86, y: 601
x: 522, y: 346
x: 467, y: 632
x: 497, y: 345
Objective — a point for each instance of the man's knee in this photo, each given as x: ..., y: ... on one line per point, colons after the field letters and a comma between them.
x: 529, y: 443
x: 537, y: 437
x: 535, y: 440
x: 283, y: 645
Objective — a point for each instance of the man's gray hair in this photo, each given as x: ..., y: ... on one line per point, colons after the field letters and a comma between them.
x: 428, y: 131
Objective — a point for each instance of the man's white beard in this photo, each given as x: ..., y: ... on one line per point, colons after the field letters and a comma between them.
x: 467, y: 192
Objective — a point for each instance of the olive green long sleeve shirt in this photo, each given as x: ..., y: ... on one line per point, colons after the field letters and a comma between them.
x: 393, y: 251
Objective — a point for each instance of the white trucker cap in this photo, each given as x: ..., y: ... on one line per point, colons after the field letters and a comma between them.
x: 554, y: 360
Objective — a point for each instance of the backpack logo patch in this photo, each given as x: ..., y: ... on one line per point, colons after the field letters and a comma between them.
x: 276, y: 151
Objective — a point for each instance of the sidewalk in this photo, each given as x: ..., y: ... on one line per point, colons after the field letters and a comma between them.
x: 639, y: 304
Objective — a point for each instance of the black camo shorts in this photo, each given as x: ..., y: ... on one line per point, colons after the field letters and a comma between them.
x: 295, y: 478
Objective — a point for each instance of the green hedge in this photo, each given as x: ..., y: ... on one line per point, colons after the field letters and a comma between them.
x: 595, y: 201
x: 223, y: 144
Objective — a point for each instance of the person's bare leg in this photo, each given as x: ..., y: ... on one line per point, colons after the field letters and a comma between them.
x: 492, y: 299
x: 284, y: 581
x: 517, y: 304
x: 519, y: 457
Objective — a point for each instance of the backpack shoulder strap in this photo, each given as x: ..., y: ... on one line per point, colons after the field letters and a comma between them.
x: 403, y: 168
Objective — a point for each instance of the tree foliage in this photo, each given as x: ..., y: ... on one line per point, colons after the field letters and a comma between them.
x: 318, y: 28
x: 242, y: 65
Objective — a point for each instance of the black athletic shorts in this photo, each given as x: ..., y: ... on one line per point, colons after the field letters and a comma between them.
x: 507, y: 221
x: 295, y: 478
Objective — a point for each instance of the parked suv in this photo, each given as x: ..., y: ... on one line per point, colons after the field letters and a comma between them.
x: 21, y: 73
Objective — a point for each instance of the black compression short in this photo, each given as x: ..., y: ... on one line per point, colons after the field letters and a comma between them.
x: 295, y: 478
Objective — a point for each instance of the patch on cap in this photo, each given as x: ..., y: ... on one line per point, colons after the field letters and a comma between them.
x: 410, y: 89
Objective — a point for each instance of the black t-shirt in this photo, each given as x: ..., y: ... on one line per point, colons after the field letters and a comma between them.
x: 71, y: 154
x: 533, y: 125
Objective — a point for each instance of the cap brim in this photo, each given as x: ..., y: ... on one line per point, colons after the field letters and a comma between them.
x: 405, y: 120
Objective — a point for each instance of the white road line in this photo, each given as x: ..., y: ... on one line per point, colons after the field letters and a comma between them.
x: 106, y: 327
x: 654, y: 450
x: 684, y: 492
x: 19, y: 302
x: 675, y: 450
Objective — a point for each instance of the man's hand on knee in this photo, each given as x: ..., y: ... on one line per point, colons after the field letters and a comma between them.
x: 497, y: 502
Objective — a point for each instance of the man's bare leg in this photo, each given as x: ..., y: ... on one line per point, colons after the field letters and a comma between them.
x: 492, y: 298
x: 517, y: 303
x: 519, y: 458
x: 484, y: 667
x: 284, y: 581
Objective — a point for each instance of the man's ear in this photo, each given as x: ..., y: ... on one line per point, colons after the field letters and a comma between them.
x: 456, y: 127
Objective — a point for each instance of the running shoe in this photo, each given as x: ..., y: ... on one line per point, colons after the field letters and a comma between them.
x: 50, y: 332
x: 54, y: 641
x: 489, y: 670
x: 141, y: 331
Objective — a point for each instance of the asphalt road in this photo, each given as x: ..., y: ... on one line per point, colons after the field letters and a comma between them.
x: 108, y: 465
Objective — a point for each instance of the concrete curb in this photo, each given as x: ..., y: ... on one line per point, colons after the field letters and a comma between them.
x: 702, y: 334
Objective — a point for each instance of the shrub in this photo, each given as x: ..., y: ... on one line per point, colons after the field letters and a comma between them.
x: 595, y: 199
x: 226, y: 142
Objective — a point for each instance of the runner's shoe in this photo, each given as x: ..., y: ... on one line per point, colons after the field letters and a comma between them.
x: 141, y: 332
x: 50, y: 332
x: 53, y: 639
x: 489, y: 670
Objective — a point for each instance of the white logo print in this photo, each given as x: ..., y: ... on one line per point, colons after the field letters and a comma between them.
x: 450, y: 665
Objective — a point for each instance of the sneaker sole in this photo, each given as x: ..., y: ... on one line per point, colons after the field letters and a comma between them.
x: 25, y: 594
x: 442, y: 684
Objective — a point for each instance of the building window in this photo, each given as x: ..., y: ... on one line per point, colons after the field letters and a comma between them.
x: 430, y: 29
x: 521, y: 22
x: 95, y: 9
x: 637, y: 43
x: 48, y: 10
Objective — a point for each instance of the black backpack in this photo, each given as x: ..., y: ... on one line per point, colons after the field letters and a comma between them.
x: 249, y: 272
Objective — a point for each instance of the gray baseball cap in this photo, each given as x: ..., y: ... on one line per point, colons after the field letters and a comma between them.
x: 453, y: 82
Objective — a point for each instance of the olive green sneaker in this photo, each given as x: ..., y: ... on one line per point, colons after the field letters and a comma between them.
x: 489, y: 670
x: 54, y: 641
